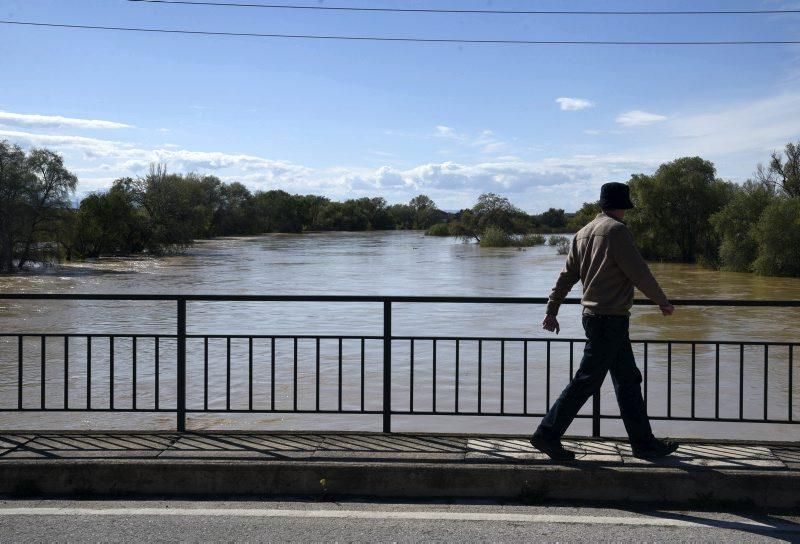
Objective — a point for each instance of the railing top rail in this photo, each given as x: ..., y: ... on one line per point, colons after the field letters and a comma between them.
x: 372, y: 298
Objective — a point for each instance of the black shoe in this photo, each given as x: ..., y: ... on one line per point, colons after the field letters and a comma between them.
x: 552, y: 448
x: 655, y: 449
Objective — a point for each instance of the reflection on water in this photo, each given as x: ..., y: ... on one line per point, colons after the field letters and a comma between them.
x: 387, y: 263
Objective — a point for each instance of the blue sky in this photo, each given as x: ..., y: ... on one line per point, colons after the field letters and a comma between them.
x: 543, y: 125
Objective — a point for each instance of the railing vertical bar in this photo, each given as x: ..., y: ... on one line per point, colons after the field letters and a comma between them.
x: 43, y: 374
x: 458, y: 370
x: 480, y: 376
x: 134, y: 374
x: 19, y: 371
x: 66, y: 373
x: 157, y: 371
x: 645, y: 372
x: 525, y: 377
x: 411, y: 377
x: 502, y: 376
x: 250, y: 371
x: 766, y: 379
x: 272, y: 374
x: 111, y: 372
x: 387, y: 366
x: 716, y: 382
x: 596, y: 414
x: 205, y: 373
x: 228, y: 373
x: 434, y: 375
x: 316, y: 380
x: 340, y: 374
x: 791, y: 372
x: 181, y: 367
x: 294, y: 376
x: 669, y: 379
x: 89, y: 373
x: 571, y: 359
x: 741, y: 381
x: 693, y: 379
x: 363, y: 350
x: 547, y: 378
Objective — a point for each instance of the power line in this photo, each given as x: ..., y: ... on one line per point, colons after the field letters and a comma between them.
x: 394, y: 39
x: 466, y: 11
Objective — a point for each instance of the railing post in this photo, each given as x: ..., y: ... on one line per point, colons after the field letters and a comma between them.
x: 181, y: 411
x: 596, y: 415
x: 387, y: 366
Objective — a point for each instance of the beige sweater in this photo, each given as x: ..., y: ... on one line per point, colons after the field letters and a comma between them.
x: 603, y: 256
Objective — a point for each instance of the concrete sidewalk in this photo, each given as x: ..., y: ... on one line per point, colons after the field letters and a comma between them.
x: 397, y: 466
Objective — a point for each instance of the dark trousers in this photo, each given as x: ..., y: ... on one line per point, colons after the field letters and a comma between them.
x: 608, y: 348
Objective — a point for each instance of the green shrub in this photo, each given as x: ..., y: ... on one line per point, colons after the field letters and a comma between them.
x: 529, y: 240
x: 556, y: 240
x: 494, y: 237
x: 439, y: 229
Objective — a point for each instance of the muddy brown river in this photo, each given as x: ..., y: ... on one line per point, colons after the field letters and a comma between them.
x: 381, y: 263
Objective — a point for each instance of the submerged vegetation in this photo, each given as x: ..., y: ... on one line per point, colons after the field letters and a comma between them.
x: 561, y: 243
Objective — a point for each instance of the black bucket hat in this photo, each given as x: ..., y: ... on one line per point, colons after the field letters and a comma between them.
x: 615, y: 196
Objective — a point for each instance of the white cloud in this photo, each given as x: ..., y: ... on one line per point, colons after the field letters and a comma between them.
x: 574, y: 104
x: 637, y: 118
x: 757, y: 126
x: 91, y: 147
x: 133, y: 160
x: 443, y: 131
x: 535, y: 185
x: 57, y: 121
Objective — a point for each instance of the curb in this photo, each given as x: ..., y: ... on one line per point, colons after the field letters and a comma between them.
x: 533, y: 484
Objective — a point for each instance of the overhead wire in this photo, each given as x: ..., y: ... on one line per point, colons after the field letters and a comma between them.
x: 467, y: 11
x: 399, y: 39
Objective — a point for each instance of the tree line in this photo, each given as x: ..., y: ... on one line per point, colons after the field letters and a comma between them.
x: 163, y: 212
x: 684, y: 213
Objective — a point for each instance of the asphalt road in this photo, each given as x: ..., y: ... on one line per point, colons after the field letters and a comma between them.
x: 262, y: 521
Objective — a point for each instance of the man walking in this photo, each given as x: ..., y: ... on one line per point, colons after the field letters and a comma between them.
x: 603, y: 256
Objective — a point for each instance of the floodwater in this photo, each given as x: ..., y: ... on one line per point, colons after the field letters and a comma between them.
x: 380, y: 263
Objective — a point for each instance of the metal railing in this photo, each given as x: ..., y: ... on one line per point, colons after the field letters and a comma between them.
x: 462, y: 393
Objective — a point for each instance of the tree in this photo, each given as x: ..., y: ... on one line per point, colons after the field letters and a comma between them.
x: 466, y: 226
x: 554, y: 218
x: 495, y: 211
x: 777, y: 234
x: 232, y: 213
x: 277, y: 211
x: 425, y: 212
x: 735, y: 224
x: 584, y: 215
x: 673, y: 207
x: 177, y: 208
x: 783, y: 176
x: 34, y: 189
x: 402, y: 216
x: 110, y: 222
x: 14, y: 178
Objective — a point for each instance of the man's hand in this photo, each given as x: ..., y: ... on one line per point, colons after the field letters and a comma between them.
x: 667, y: 310
x: 550, y: 323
